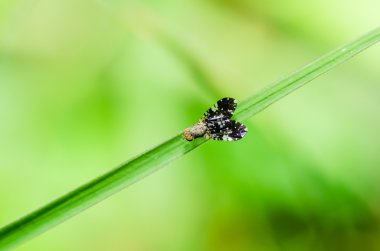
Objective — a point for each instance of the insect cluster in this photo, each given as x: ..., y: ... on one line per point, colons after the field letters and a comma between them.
x: 217, y: 124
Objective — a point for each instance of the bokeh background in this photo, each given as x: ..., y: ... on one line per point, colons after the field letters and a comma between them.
x: 86, y: 85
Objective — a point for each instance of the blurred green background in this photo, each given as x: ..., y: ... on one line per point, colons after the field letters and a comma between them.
x: 87, y: 85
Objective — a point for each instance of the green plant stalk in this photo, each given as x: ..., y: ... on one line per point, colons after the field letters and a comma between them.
x: 295, y: 80
x: 100, y: 188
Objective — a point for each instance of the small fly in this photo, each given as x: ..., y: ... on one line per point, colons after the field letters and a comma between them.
x: 217, y: 124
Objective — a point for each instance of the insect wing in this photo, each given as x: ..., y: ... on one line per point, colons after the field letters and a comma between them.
x: 227, y: 130
x: 223, y: 109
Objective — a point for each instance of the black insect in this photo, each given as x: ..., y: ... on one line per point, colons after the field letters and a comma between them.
x: 217, y: 124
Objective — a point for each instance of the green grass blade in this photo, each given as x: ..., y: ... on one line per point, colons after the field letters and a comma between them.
x: 94, y: 191
x: 100, y: 188
x: 295, y: 80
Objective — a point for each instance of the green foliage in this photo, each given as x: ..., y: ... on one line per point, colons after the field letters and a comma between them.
x: 100, y: 188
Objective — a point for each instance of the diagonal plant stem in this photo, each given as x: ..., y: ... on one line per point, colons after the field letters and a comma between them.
x: 295, y: 80
x: 100, y: 188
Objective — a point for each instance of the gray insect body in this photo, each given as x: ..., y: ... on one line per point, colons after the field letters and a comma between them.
x: 196, y: 131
